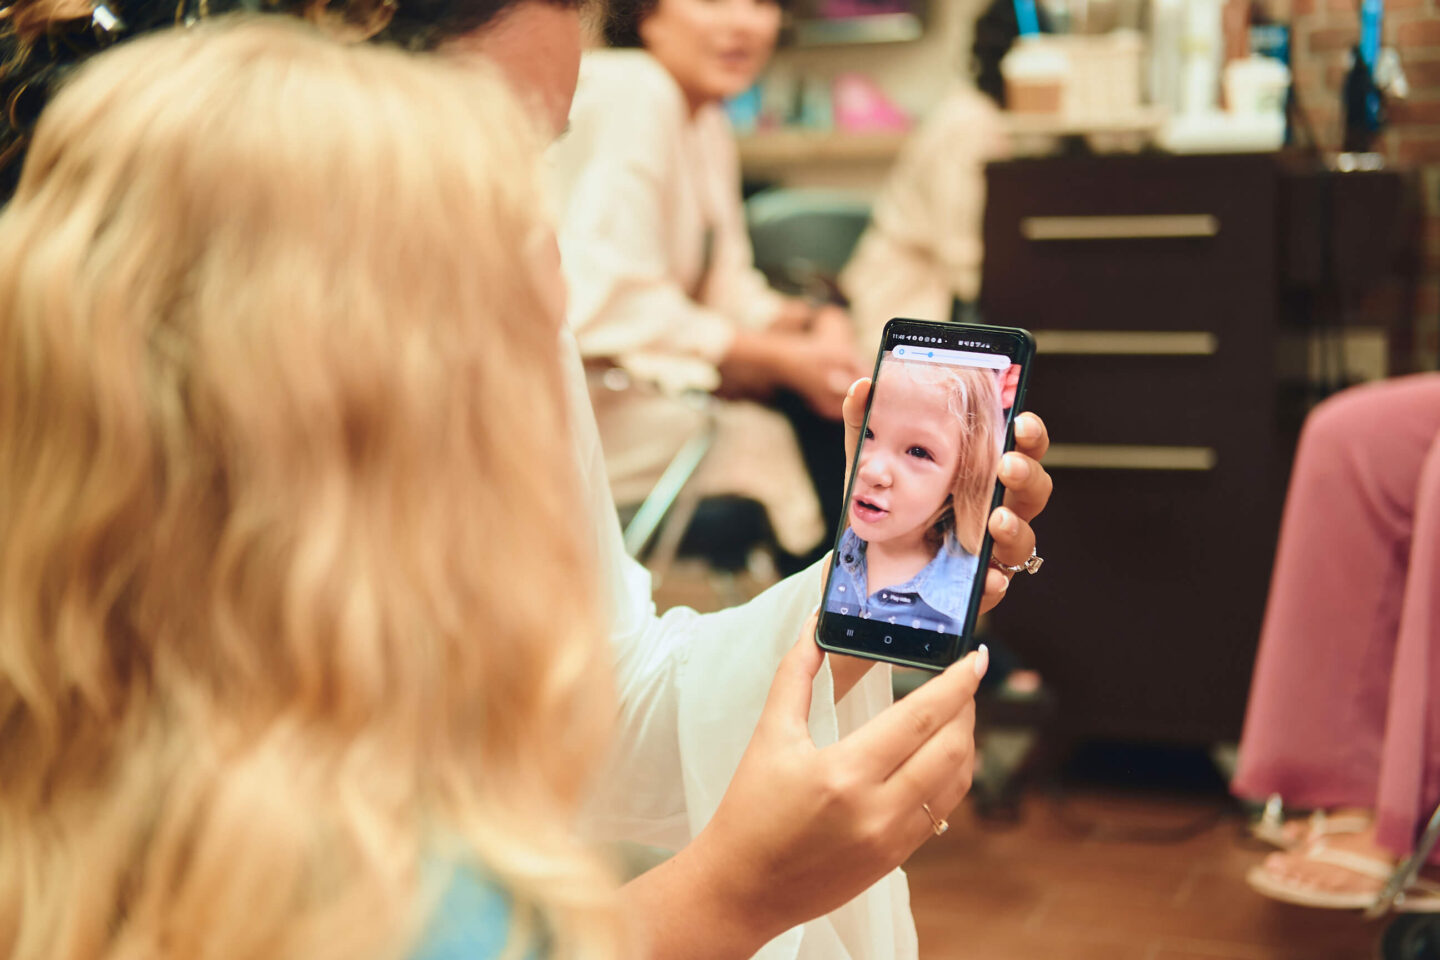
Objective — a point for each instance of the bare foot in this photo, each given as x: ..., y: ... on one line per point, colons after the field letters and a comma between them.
x: 1308, y: 829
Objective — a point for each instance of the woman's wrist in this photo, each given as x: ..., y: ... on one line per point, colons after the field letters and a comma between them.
x: 764, y: 352
x: 735, y: 893
x: 701, y: 904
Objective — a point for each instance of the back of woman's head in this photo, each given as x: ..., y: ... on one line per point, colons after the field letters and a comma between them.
x: 41, y: 41
x: 291, y: 614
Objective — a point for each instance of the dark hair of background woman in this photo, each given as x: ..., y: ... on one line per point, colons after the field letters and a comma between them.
x: 623, y: 18
x: 996, y: 30
x: 42, y: 40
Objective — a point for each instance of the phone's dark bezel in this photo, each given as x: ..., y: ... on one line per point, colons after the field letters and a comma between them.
x: 893, y: 643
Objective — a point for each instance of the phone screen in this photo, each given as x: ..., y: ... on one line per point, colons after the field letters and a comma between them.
x: 908, y: 569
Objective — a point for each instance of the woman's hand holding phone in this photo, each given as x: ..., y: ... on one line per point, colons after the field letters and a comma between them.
x: 802, y: 829
x: 1027, y: 491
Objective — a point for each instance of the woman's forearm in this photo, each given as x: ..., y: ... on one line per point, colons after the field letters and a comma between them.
x: 684, y: 909
x: 761, y: 353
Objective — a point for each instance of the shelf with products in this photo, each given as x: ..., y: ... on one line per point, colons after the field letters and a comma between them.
x: 819, y: 23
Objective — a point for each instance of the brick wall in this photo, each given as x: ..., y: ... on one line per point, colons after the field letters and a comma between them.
x: 1323, y: 32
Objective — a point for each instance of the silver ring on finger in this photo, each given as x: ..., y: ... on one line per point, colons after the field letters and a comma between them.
x: 1031, y: 565
x: 938, y: 824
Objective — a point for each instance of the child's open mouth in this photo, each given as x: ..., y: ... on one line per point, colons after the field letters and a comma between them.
x: 865, y: 510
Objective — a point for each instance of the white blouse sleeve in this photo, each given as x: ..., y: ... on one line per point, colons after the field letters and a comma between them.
x: 611, y: 172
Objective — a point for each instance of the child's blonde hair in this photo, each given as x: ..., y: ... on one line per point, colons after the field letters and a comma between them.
x: 973, y: 398
x: 293, y: 614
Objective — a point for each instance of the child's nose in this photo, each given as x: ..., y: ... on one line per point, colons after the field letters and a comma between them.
x: 874, y: 470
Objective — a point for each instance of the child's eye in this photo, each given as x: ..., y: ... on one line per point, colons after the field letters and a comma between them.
x: 919, y: 452
x: 869, y: 434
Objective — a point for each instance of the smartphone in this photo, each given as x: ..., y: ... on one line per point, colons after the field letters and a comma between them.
x: 909, y: 565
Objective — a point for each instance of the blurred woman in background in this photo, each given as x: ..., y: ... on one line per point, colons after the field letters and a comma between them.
x: 662, y: 280
x: 1343, y: 716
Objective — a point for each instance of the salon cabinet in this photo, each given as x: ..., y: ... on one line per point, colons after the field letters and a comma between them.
x: 1172, y: 299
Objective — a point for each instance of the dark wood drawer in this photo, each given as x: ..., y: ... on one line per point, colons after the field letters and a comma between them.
x: 1145, y: 617
x: 1165, y: 368
x: 1130, y: 243
x: 1204, y: 400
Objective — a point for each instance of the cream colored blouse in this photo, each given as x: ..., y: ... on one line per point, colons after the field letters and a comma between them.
x: 652, y: 232
x: 661, y: 275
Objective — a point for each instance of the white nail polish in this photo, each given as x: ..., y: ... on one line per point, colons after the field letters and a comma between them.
x: 982, y: 661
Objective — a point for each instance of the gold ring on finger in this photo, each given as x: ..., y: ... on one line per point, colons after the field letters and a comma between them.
x: 938, y: 824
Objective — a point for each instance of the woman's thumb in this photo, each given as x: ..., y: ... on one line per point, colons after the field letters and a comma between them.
x: 791, y: 690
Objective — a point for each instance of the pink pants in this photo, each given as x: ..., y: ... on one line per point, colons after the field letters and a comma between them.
x: 1341, y: 712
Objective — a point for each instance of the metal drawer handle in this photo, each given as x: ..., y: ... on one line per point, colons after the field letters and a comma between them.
x: 1154, y: 227
x: 1137, y: 343
x: 1109, y: 456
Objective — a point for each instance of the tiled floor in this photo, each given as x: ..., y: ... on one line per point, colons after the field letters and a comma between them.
x: 1046, y: 889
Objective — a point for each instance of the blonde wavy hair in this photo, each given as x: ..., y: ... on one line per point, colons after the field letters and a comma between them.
x: 293, y: 616
x: 972, y: 396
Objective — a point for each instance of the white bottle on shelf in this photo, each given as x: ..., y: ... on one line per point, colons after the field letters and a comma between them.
x: 1202, y: 49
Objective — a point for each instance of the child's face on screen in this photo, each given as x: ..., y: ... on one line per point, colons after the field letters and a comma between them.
x: 908, y: 460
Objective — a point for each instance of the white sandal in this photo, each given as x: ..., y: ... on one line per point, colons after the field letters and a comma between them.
x: 1421, y: 896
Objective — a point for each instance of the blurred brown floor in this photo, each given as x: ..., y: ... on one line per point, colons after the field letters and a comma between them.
x: 1045, y: 890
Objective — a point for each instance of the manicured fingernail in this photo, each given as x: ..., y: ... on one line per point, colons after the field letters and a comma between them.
x: 1025, y: 428
x: 1004, y: 583
x: 851, y: 392
x: 1013, y: 468
x: 982, y: 661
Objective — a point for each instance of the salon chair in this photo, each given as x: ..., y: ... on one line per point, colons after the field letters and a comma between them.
x: 673, y: 522
x: 804, y: 237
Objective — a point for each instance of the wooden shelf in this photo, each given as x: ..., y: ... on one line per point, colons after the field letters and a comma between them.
x: 779, y: 151
x: 1144, y: 120
x: 783, y: 149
